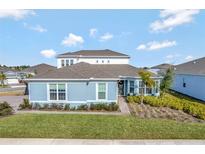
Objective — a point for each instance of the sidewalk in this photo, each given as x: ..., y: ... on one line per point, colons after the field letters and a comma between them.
x: 20, y: 141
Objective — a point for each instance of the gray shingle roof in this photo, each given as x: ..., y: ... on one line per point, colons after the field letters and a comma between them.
x: 93, y: 53
x: 86, y: 71
x: 39, y: 69
x: 194, y: 67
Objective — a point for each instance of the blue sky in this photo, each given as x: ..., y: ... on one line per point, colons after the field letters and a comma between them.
x: 150, y: 37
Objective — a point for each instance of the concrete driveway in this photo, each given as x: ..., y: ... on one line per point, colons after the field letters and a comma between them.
x: 14, y: 101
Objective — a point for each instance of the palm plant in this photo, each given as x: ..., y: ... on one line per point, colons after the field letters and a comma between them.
x: 166, y: 81
x: 2, y: 78
x: 146, y: 80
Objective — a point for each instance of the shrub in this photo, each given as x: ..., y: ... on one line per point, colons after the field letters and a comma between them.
x: 35, y: 106
x: 175, y: 101
x: 73, y: 108
x: 82, y: 107
x: 134, y: 99
x: 5, y: 109
x: 104, y: 106
x: 25, y: 104
x: 67, y: 107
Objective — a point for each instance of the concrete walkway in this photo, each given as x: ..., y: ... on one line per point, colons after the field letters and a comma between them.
x: 123, y: 105
x: 29, y: 141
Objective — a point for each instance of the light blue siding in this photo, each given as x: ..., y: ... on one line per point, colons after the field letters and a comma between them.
x: 195, y: 85
x: 79, y: 91
x: 38, y: 91
x: 112, y: 90
x: 91, y: 91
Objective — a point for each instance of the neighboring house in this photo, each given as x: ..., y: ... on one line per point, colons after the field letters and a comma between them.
x: 92, y: 57
x: 161, y: 69
x: 12, y: 76
x: 85, y: 82
x: 189, y: 78
x: 38, y: 69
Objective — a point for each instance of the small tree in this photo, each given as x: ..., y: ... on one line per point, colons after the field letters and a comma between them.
x: 146, y: 80
x: 2, y: 78
x: 166, y: 81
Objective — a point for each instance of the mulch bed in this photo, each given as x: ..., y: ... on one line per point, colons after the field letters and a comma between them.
x: 147, y: 111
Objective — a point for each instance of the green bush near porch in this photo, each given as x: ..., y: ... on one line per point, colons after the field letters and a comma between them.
x: 173, y: 101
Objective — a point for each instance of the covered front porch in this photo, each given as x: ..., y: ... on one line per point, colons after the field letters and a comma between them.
x: 134, y: 87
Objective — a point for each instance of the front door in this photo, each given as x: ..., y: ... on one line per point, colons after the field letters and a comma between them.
x: 121, y: 88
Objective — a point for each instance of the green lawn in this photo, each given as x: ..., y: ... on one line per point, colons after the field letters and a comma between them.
x: 96, y: 127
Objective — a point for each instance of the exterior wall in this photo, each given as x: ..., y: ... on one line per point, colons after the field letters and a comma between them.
x: 94, y: 61
x: 37, y: 91
x: 195, y: 85
x: 77, y: 92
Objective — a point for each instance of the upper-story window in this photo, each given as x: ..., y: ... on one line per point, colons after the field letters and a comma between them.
x: 62, y: 63
x: 96, y: 61
x: 71, y: 62
x: 67, y: 62
x: 102, y: 61
x: 108, y: 61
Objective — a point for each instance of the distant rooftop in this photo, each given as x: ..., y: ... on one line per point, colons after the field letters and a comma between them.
x: 194, y: 67
x: 93, y: 53
x: 39, y: 69
x: 162, y: 66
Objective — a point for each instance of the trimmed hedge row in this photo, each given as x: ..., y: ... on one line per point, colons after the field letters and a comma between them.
x: 66, y: 107
x: 191, y: 107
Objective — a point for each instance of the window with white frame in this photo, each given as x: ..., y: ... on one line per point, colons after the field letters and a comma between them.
x: 156, y: 86
x: 62, y: 63
x: 101, y: 91
x: 57, y: 91
x: 53, y: 91
x: 61, y: 92
x: 141, y: 87
x: 71, y: 62
x: 132, y: 87
x: 67, y: 62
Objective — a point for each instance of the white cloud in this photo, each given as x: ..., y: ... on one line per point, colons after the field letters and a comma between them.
x: 16, y: 14
x: 37, y: 28
x: 106, y: 37
x: 156, y: 45
x: 92, y: 32
x: 72, y: 40
x: 170, y: 19
x: 48, y: 53
x: 188, y: 58
x: 172, y: 58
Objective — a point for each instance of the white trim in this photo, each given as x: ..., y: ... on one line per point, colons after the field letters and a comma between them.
x: 106, y: 93
x: 48, y: 91
x: 81, y: 56
x: 90, y: 79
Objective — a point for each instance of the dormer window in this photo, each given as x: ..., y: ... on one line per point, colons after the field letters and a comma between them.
x: 108, y: 61
x: 71, y: 62
x: 96, y: 61
x: 62, y: 63
x: 67, y: 62
x: 102, y: 61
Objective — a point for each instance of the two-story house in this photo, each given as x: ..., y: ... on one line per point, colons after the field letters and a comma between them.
x: 89, y: 76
